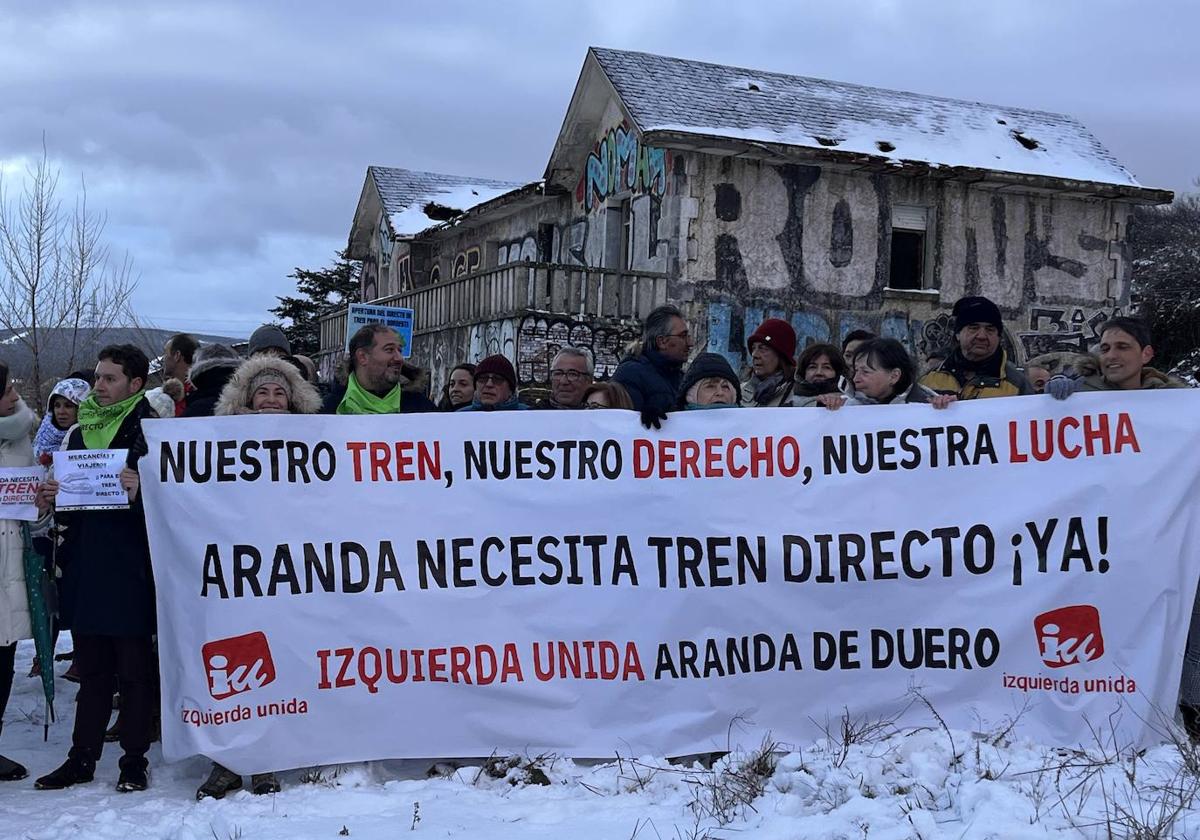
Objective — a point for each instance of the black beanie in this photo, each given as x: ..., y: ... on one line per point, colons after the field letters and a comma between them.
x: 704, y: 366
x: 976, y: 310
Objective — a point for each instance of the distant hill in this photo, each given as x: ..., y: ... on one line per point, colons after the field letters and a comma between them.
x: 58, y: 359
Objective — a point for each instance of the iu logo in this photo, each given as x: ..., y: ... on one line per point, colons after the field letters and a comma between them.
x: 1069, y: 635
x: 237, y: 664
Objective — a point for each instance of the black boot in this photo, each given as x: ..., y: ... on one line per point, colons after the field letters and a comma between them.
x: 261, y: 783
x: 10, y: 771
x: 1191, y: 721
x: 220, y: 782
x: 74, y: 771
x: 133, y: 778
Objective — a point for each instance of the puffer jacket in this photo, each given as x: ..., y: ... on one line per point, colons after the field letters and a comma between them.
x: 651, y: 379
x: 996, y: 376
x: 16, y: 450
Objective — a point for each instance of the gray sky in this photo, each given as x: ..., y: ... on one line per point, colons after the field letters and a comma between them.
x: 228, y: 141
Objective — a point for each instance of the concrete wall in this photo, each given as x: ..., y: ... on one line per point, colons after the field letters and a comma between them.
x: 812, y: 245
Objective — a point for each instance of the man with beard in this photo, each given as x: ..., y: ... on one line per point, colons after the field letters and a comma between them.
x: 377, y: 381
x: 977, y: 368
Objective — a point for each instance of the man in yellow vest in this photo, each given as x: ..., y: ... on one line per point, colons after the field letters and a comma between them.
x: 978, y: 367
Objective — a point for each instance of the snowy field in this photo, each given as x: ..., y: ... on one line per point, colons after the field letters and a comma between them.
x: 876, y: 784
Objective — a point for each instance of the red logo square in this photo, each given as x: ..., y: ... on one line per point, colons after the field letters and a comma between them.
x: 1069, y: 635
x: 238, y: 664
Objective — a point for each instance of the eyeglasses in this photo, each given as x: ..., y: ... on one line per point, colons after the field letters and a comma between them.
x: 594, y: 405
x: 572, y: 375
x: 489, y: 379
x: 685, y: 335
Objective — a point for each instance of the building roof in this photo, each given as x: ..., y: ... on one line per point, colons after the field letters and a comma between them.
x: 691, y: 97
x: 407, y: 195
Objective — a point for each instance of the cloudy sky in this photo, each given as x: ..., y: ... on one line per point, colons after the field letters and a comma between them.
x: 228, y: 141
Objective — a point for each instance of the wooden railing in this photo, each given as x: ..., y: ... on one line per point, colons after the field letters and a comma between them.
x: 516, y: 288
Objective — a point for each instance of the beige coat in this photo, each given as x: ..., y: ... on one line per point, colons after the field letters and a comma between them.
x: 16, y: 450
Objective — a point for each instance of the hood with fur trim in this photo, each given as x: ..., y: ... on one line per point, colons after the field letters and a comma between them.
x: 235, y: 397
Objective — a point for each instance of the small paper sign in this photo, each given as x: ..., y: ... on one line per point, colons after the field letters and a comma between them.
x: 90, y: 479
x: 18, y: 492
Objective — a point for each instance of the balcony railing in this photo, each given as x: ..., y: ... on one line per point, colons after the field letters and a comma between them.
x: 514, y: 289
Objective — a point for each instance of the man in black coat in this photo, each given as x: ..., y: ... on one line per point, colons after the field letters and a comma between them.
x: 214, y: 366
x: 652, y: 377
x: 107, y: 585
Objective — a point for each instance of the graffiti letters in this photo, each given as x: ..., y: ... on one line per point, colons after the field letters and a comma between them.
x: 539, y: 338
x: 619, y: 162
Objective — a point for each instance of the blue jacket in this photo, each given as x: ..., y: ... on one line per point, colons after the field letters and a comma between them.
x: 651, y: 379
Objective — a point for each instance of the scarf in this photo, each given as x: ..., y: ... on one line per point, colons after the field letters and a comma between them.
x: 765, y: 389
x: 48, y: 438
x: 815, y: 389
x: 99, y: 423
x: 359, y: 400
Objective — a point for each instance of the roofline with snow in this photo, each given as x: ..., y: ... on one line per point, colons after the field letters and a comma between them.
x: 788, y: 153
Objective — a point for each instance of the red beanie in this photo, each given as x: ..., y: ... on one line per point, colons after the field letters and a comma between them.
x: 777, y: 334
x: 500, y: 366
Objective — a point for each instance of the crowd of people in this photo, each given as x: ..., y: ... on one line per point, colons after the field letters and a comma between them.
x: 99, y: 561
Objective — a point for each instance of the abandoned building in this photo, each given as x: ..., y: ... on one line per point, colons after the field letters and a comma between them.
x: 738, y: 195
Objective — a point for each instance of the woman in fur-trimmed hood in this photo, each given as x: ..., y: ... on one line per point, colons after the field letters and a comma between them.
x: 268, y: 385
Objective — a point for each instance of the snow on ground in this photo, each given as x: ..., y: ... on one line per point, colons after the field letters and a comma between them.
x: 897, y: 786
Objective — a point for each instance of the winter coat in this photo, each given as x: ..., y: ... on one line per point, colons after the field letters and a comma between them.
x: 780, y: 394
x: 208, y: 377
x: 1151, y: 379
x: 107, y: 584
x: 513, y: 403
x: 235, y: 397
x: 993, y: 377
x: 915, y: 393
x: 651, y: 379
x: 413, y: 399
x: 16, y: 450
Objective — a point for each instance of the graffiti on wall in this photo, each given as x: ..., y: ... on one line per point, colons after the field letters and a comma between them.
x: 466, y: 262
x: 403, y: 274
x: 729, y: 327
x: 521, y: 249
x: 564, y: 244
x: 1052, y: 329
x: 539, y: 338
x: 620, y: 162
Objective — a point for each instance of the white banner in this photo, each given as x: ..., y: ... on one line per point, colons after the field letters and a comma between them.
x: 346, y: 588
x: 18, y: 492
x: 90, y: 479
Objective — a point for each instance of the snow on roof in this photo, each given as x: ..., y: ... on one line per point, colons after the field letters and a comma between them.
x: 406, y: 194
x: 672, y: 94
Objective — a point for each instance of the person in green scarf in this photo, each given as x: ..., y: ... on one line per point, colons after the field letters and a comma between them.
x: 107, y: 585
x: 377, y: 380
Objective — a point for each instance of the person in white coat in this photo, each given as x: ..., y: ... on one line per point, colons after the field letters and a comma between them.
x: 16, y: 450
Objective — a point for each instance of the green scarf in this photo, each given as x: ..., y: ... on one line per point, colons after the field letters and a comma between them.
x: 359, y: 400
x: 99, y: 423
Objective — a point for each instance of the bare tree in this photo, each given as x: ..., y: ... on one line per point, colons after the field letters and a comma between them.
x: 56, y: 275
